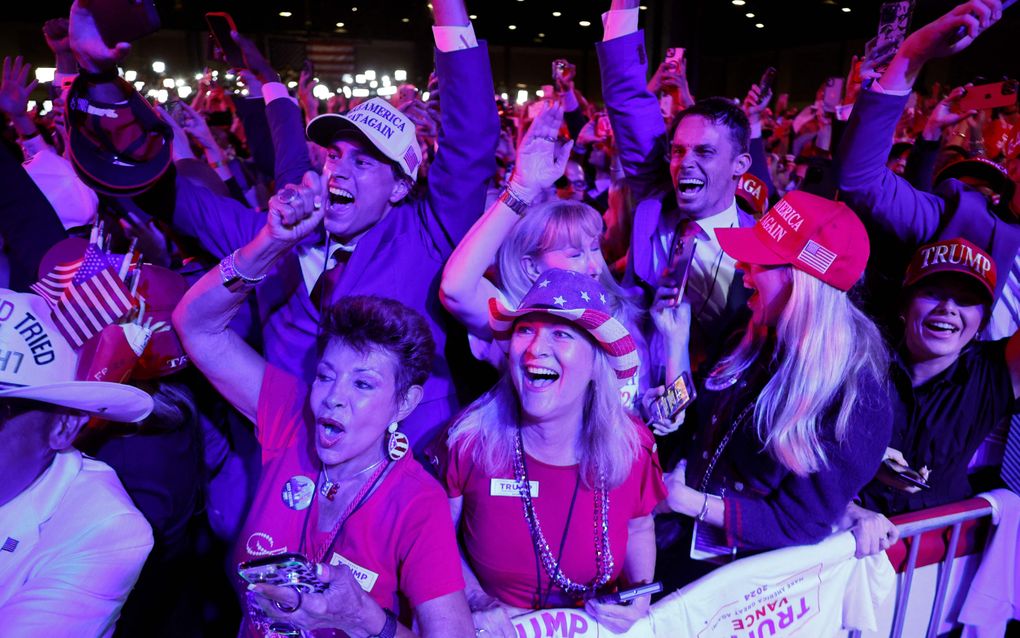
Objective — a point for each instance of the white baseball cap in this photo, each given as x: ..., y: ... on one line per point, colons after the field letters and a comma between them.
x: 383, y: 124
x: 37, y: 362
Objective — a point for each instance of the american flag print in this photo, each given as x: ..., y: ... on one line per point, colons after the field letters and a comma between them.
x: 53, y: 285
x: 817, y: 256
x: 410, y: 159
x: 95, y: 298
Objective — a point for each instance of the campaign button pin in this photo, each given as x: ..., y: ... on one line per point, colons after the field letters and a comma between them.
x: 298, y: 492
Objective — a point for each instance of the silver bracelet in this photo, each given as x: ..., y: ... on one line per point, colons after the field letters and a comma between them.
x: 234, y: 280
x: 704, y: 510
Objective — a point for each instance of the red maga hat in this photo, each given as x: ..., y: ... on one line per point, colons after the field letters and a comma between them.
x: 753, y: 193
x: 952, y: 255
x: 818, y: 236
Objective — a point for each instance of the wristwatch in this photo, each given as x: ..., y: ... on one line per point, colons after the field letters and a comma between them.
x: 513, y: 201
x: 233, y: 280
x: 389, y: 629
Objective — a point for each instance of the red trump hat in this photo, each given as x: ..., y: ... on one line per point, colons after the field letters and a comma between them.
x: 952, y: 255
x: 821, y: 237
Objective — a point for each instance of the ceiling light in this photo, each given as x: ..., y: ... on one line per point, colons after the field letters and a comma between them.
x: 158, y: 67
x: 541, y: 35
x: 739, y: 3
x: 584, y: 23
x: 760, y: 25
x: 643, y: 7
x: 749, y: 15
x: 354, y: 8
x: 340, y: 25
x: 285, y: 14
x: 473, y: 16
x: 405, y: 20
x: 512, y: 27
x: 556, y: 14
x: 846, y: 9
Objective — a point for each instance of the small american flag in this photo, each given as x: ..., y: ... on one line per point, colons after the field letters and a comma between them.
x: 56, y: 282
x: 410, y: 159
x: 9, y: 545
x: 817, y: 256
x: 95, y: 298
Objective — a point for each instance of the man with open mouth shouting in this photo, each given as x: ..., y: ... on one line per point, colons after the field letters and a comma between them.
x: 380, y: 237
x: 684, y: 186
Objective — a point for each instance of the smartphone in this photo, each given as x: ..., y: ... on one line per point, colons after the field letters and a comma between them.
x: 176, y: 111
x: 675, y: 58
x: 905, y: 474
x: 893, y: 22
x: 283, y: 570
x: 681, y: 256
x: 989, y: 96
x: 625, y: 596
x: 832, y: 94
x: 220, y: 26
x: 765, y: 85
x: 603, y: 128
x: 559, y: 69
x: 678, y: 396
x: 124, y: 20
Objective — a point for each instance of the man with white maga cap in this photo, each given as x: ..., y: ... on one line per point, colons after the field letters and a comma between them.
x: 71, y: 542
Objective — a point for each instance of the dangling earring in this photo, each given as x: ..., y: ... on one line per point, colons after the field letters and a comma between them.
x: 397, y: 445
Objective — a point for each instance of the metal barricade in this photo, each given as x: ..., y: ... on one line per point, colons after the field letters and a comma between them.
x: 911, y: 533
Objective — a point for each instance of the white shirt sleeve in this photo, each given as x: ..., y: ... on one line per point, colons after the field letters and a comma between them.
x: 619, y: 23
x: 877, y: 88
x: 275, y: 91
x: 454, y: 38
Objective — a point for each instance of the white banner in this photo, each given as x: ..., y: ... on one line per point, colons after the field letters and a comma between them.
x: 571, y: 623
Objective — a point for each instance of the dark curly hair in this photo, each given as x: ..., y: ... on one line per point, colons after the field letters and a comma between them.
x: 721, y: 112
x: 364, y: 323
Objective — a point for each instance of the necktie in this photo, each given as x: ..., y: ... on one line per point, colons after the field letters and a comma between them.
x: 690, y: 233
x: 330, y: 278
x: 1011, y: 458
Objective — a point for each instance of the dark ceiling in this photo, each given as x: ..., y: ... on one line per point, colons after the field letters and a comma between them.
x: 719, y: 24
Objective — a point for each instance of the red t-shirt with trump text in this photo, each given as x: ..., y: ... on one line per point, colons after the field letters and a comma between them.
x: 399, y: 544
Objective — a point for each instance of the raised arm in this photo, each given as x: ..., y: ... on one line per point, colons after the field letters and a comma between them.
x: 286, y: 126
x: 464, y: 290
x: 203, y: 315
x: 754, y: 105
x: 640, y: 133
x: 469, y: 131
x: 866, y: 184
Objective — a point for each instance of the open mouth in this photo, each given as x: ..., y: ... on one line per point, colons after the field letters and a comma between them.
x: 539, y: 377
x: 941, y: 327
x: 330, y: 431
x: 340, y: 196
x: 689, y: 185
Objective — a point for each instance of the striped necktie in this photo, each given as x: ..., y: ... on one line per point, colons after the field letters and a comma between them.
x: 1011, y: 458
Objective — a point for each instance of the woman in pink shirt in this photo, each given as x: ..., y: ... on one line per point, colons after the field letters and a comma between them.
x: 335, y: 486
x: 555, y: 424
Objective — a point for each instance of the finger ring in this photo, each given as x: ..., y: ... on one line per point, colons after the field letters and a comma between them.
x: 289, y: 610
x: 287, y: 195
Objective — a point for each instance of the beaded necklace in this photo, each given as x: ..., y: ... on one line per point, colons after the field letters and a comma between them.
x: 603, y: 553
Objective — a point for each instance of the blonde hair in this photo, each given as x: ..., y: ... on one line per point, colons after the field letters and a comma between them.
x: 608, y: 444
x: 825, y: 348
x: 549, y: 226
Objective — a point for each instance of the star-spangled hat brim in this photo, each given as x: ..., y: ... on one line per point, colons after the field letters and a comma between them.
x: 610, y: 334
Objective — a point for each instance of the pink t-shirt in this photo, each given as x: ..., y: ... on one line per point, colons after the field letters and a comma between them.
x: 400, y: 544
x: 496, y: 536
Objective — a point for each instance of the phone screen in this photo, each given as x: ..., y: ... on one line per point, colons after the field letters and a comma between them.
x: 220, y: 25
x: 678, y: 396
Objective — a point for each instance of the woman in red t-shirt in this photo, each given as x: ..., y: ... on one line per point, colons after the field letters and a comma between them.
x: 555, y: 424
x: 335, y: 486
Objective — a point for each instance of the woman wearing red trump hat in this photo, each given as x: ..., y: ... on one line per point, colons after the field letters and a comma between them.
x: 795, y: 420
x: 951, y: 389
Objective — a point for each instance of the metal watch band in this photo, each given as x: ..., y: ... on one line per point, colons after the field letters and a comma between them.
x: 513, y: 201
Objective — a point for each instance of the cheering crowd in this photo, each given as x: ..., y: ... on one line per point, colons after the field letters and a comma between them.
x: 395, y: 367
